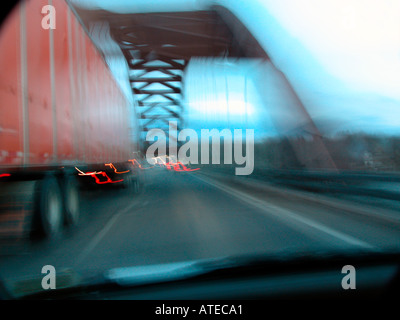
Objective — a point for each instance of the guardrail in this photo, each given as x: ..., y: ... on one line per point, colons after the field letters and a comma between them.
x: 380, y: 185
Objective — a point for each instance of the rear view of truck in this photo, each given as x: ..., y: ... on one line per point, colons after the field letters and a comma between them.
x: 63, y: 118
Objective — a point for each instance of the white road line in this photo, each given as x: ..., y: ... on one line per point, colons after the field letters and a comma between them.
x: 99, y: 236
x: 282, y: 213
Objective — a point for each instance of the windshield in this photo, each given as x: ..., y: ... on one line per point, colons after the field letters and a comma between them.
x: 161, y: 133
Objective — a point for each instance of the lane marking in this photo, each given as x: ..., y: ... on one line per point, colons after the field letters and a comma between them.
x: 99, y: 236
x: 281, y: 213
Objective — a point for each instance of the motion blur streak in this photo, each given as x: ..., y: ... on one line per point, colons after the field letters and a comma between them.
x: 326, y: 151
x: 180, y: 217
x: 94, y: 175
x: 170, y: 163
x: 115, y: 169
x: 136, y: 163
x: 179, y: 166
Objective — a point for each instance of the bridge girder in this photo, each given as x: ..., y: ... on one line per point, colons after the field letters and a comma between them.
x: 164, y: 42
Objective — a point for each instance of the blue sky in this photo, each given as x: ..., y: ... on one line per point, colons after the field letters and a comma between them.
x: 342, y: 57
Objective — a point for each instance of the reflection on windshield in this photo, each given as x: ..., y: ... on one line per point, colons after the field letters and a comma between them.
x: 136, y: 136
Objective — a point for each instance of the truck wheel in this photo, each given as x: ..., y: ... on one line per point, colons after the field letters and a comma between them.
x: 71, y: 200
x: 49, y: 206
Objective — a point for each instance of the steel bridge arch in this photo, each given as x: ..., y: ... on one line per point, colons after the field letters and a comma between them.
x: 162, y: 43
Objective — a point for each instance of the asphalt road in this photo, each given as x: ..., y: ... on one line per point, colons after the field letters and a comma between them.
x: 185, y: 216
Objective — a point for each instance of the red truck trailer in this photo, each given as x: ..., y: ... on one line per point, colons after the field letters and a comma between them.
x: 62, y: 117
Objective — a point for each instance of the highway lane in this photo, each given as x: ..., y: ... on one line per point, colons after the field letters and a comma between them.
x: 184, y: 216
